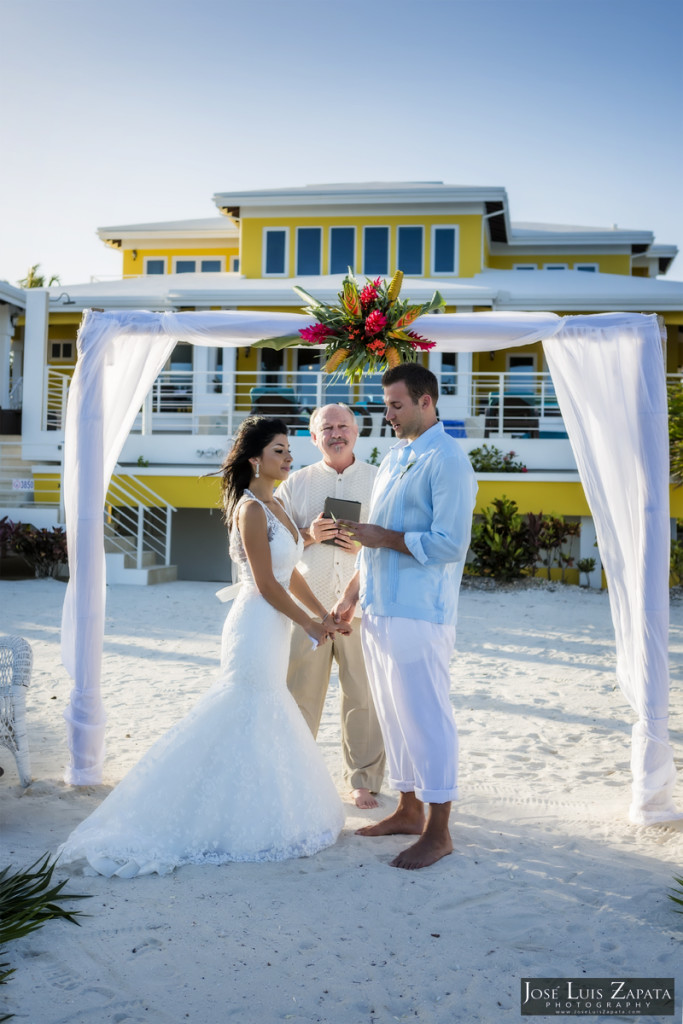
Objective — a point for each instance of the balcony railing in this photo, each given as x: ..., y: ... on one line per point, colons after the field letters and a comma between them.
x: 205, y: 402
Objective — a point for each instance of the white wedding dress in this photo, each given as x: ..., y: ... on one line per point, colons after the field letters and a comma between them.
x: 240, y: 778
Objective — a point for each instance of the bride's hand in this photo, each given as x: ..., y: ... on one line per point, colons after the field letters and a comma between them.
x: 317, y: 632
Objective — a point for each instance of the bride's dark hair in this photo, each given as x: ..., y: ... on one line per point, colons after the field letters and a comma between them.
x: 252, y: 437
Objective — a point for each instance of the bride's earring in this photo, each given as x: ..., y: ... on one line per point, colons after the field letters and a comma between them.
x: 257, y: 471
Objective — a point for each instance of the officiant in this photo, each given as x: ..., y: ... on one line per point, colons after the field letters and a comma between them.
x: 328, y: 565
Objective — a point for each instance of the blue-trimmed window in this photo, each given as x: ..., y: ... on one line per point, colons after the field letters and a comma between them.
x: 342, y: 249
x: 235, y: 266
x: 211, y: 266
x: 308, y: 250
x: 410, y: 248
x: 376, y: 251
x: 587, y: 268
x: 275, y: 244
x: 185, y: 266
x: 444, y: 253
x: 155, y: 267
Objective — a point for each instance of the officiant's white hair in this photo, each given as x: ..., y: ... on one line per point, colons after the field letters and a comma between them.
x: 315, y: 415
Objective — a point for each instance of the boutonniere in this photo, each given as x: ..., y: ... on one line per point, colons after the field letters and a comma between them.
x: 406, y: 468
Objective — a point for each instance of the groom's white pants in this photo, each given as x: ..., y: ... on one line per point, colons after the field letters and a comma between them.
x: 407, y: 662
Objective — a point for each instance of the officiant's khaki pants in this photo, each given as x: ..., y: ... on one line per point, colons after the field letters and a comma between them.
x: 308, y: 678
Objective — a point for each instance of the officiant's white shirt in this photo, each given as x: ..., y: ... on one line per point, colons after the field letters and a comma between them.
x: 327, y: 568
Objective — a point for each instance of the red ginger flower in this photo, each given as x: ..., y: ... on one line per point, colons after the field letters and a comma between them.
x: 375, y: 322
x: 369, y: 294
x: 417, y: 341
x: 315, y: 335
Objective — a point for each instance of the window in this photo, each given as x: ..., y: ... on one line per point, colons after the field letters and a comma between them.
x: 444, y: 250
x: 211, y: 266
x: 589, y: 268
x: 375, y: 251
x: 155, y: 266
x: 61, y: 350
x: 410, y: 247
x: 449, y: 370
x: 525, y: 266
x: 308, y: 250
x: 555, y: 266
x: 342, y: 249
x: 275, y: 251
x: 185, y: 266
x: 235, y: 264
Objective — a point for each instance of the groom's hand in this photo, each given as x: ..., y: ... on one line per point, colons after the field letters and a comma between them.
x: 343, y: 610
x: 372, y: 536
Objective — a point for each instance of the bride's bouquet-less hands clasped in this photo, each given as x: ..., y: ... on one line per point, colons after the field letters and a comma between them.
x: 369, y: 329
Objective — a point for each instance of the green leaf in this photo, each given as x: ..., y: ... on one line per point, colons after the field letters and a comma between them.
x: 284, y: 341
x: 306, y: 296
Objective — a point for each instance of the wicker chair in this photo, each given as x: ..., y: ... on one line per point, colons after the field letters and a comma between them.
x: 16, y: 662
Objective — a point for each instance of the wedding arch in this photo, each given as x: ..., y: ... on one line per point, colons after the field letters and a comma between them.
x: 608, y: 374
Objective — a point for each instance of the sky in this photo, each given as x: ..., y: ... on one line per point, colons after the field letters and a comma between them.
x: 140, y: 110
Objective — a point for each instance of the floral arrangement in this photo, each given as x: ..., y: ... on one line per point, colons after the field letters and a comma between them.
x: 368, y: 330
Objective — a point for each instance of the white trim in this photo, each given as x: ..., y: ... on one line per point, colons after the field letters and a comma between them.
x: 455, y: 228
x: 387, y: 228
x: 346, y: 227
x: 197, y: 263
x: 556, y: 266
x: 308, y: 227
x: 264, y: 235
x: 422, y: 249
x: 525, y: 266
x: 509, y: 356
x: 147, y: 259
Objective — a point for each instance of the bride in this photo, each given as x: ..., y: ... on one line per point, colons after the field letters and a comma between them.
x: 240, y: 778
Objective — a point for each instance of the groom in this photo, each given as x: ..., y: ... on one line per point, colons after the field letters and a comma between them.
x: 411, y: 565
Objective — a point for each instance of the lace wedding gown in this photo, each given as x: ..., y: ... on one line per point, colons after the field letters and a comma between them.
x: 240, y: 778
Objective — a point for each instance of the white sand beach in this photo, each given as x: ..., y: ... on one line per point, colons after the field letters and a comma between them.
x: 548, y: 878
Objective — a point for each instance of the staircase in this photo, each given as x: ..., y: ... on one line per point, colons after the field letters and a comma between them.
x: 137, y: 533
x: 16, y: 477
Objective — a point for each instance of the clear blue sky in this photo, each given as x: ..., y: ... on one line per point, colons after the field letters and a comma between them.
x: 121, y: 111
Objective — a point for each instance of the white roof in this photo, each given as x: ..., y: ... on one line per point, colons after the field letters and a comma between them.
x: 11, y: 296
x: 567, y: 290
x: 357, y: 193
x: 528, y: 233
x: 212, y: 226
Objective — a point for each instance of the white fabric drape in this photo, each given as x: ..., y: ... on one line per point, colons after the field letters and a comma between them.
x: 609, y: 379
x: 610, y: 384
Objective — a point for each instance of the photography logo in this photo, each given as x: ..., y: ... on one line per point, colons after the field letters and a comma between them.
x: 594, y: 997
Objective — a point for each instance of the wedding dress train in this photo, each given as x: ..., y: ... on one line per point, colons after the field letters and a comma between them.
x: 240, y: 778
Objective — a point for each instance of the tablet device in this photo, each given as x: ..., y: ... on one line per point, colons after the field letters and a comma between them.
x: 340, y: 508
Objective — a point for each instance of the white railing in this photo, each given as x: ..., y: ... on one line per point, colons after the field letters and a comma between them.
x: 137, y: 520
x: 215, y: 402
x: 16, y: 394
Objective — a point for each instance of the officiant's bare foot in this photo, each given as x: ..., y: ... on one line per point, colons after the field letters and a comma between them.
x: 427, y: 850
x: 363, y: 798
x: 408, y: 819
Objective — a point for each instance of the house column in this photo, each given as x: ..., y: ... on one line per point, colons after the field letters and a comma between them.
x: 589, y: 549
x: 5, y: 345
x: 35, y: 351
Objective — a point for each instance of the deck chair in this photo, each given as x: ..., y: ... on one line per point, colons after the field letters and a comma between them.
x: 16, y: 662
x: 284, y: 407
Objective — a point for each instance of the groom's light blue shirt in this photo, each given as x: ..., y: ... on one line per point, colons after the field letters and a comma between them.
x: 426, y: 490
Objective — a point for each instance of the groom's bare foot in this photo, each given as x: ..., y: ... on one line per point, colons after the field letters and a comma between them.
x: 363, y: 798
x: 401, y: 822
x: 427, y: 850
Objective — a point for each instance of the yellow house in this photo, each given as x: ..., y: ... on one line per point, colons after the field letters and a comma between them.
x: 459, y: 240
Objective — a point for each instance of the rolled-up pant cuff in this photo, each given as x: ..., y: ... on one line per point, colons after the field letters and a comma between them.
x: 427, y: 796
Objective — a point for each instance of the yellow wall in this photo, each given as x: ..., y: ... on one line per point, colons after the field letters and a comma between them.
x: 252, y: 239
x: 608, y: 263
x: 136, y: 267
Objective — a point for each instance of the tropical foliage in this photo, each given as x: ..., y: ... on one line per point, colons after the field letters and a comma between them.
x: 42, y: 549
x: 675, y: 396
x: 35, y: 280
x: 28, y: 900
x: 489, y: 459
x: 369, y: 329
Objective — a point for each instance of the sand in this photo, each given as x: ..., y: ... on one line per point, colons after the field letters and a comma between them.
x: 548, y: 878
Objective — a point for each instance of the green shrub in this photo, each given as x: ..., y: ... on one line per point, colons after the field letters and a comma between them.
x: 489, y: 459
x: 501, y: 542
x: 675, y: 397
x: 43, y: 550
